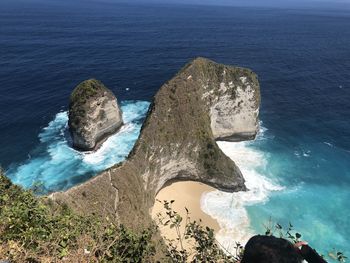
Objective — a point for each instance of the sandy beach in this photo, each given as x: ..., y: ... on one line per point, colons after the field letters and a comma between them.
x: 186, y: 194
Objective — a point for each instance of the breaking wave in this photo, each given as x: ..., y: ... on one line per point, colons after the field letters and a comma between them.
x: 229, y: 209
x: 56, y: 166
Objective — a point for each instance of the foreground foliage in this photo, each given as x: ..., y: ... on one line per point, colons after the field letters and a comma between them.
x: 203, y: 245
x: 205, y: 248
x: 33, y: 229
x: 290, y: 234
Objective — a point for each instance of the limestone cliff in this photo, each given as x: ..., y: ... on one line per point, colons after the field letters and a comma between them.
x: 94, y: 114
x: 205, y: 101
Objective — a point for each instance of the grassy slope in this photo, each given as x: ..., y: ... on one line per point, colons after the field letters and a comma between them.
x: 33, y: 229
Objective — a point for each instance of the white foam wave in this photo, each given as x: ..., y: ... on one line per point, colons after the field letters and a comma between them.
x: 58, y: 166
x: 329, y: 144
x: 114, y: 146
x: 262, y: 132
x: 304, y: 153
x: 229, y: 209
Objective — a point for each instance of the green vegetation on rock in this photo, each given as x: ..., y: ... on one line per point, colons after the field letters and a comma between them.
x: 35, y: 229
x: 86, y: 90
x: 94, y: 114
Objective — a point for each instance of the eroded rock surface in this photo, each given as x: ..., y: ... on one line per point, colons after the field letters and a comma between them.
x: 94, y: 115
x: 234, y: 112
x: 205, y: 101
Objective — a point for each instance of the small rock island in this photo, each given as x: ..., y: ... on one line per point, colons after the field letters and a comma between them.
x: 94, y: 114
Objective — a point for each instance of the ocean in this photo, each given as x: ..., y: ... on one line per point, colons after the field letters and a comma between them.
x: 298, y: 168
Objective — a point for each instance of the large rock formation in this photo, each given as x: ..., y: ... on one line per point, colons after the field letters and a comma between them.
x: 94, y: 114
x: 205, y: 101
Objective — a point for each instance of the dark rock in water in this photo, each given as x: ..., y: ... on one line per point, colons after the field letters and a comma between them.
x: 94, y: 115
x: 203, y: 103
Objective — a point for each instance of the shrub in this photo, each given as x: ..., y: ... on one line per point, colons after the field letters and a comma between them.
x: 33, y: 229
x: 205, y: 247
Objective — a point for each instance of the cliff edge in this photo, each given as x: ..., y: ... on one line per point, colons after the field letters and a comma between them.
x: 203, y: 103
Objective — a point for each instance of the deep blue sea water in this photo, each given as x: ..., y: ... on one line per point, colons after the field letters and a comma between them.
x: 302, y: 58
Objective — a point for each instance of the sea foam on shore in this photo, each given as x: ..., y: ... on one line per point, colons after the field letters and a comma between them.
x: 229, y: 209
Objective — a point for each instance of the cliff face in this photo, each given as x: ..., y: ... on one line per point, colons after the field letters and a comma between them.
x: 234, y: 113
x: 94, y: 114
x: 203, y: 102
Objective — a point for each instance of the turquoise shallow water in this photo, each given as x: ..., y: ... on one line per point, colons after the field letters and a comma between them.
x: 297, y: 170
x: 316, y: 195
x: 54, y: 165
x: 305, y: 183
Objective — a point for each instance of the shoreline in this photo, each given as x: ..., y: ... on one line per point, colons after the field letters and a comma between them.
x: 186, y: 194
x: 224, y: 212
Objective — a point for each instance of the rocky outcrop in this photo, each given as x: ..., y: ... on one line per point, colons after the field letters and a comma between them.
x: 234, y: 117
x: 94, y: 115
x: 205, y: 101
